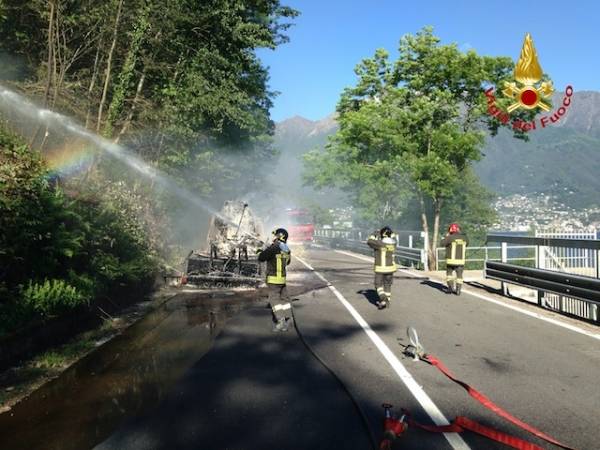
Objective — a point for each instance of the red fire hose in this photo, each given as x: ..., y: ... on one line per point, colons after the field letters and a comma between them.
x: 489, y: 404
x: 394, y: 427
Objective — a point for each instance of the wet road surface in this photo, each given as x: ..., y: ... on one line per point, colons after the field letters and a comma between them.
x: 254, y: 390
x: 123, y: 377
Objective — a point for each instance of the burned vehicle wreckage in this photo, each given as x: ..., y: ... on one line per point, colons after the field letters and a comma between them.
x: 230, y: 256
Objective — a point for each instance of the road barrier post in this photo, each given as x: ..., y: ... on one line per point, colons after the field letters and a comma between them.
x: 504, y: 259
x: 539, y: 264
x: 425, y: 252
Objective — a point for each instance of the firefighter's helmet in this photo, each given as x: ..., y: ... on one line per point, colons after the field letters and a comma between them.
x: 454, y: 228
x: 281, y: 234
x: 386, y: 232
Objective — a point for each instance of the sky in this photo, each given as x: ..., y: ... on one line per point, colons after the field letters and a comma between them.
x: 331, y: 36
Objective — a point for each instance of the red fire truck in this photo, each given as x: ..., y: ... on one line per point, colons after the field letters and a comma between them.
x: 301, y: 226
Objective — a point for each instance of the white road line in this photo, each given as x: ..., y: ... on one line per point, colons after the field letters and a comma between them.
x: 539, y: 316
x: 417, y: 391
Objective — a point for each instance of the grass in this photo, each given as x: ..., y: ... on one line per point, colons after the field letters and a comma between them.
x: 17, y: 383
x: 63, y: 356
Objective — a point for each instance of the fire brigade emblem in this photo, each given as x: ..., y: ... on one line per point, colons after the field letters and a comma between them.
x: 528, y: 90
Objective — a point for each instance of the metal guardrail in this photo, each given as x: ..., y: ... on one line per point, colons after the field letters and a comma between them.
x: 415, y: 255
x: 488, y: 254
x: 406, y: 238
x: 570, y: 293
x: 575, y: 286
x: 593, y: 244
x: 558, y: 290
x: 345, y: 244
x: 412, y: 256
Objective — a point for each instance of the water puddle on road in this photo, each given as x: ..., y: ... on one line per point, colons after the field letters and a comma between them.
x: 127, y: 375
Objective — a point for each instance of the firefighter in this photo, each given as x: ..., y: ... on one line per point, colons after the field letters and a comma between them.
x: 456, y: 248
x: 384, y: 243
x: 277, y: 257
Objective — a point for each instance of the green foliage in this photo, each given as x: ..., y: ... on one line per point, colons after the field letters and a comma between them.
x: 124, y: 81
x: 319, y: 214
x: 51, y: 297
x: 558, y: 161
x: 411, y: 128
x: 205, y: 92
x: 365, y: 159
x: 58, y: 253
x: 201, y: 114
x: 470, y: 206
x: 38, y: 231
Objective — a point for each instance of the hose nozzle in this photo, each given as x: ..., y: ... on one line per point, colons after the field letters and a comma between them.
x: 414, y: 349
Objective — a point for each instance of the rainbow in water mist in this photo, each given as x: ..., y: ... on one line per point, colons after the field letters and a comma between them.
x: 69, y: 160
x: 23, y: 109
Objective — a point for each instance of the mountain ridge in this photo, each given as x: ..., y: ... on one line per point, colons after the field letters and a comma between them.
x: 583, y: 114
x: 557, y: 160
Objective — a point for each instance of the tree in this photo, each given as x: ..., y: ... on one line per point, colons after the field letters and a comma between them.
x: 178, y: 82
x: 411, y: 128
x: 470, y: 206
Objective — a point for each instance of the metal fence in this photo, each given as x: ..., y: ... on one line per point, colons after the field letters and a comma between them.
x: 577, y: 255
x: 409, y: 251
x: 475, y: 257
x: 579, y: 261
x: 568, y: 252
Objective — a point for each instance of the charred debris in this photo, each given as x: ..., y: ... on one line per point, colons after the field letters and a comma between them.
x: 229, y: 258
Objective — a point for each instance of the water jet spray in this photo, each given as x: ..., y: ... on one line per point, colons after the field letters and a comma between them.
x: 19, y: 104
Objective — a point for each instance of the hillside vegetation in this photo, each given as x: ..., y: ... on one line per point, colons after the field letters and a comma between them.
x: 560, y: 161
x: 563, y: 160
x: 178, y: 83
x: 58, y: 253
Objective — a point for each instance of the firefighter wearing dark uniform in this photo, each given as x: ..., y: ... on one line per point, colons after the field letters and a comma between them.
x: 278, y: 256
x: 456, y: 248
x: 384, y: 243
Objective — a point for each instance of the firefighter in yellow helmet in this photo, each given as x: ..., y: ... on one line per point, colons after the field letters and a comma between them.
x: 278, y: 256
x: 456, y: 248
x: 384, y: 244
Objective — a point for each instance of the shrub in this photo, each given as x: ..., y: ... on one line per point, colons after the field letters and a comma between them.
x: 52, y: 297
x: 82, y: 248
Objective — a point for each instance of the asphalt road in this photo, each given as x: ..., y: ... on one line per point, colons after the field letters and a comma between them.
x: 259, y: 390
x: 253, y: 390
x: 256, y: 389
x: 543, y: 374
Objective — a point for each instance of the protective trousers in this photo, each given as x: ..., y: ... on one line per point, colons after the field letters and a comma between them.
x: 451, y: 278
x: 280, y: 302
x: 383, y: 285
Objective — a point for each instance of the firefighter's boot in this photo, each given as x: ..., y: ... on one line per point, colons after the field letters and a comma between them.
x: 280, y: 325
x: 382, y: 297
x: 388, y: 299
x: 450, y: 287
x: 458, y: 288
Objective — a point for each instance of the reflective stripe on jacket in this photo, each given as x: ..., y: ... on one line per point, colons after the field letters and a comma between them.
x: 456, y: 249
x: 277, y: 256
x: 385, y: 258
